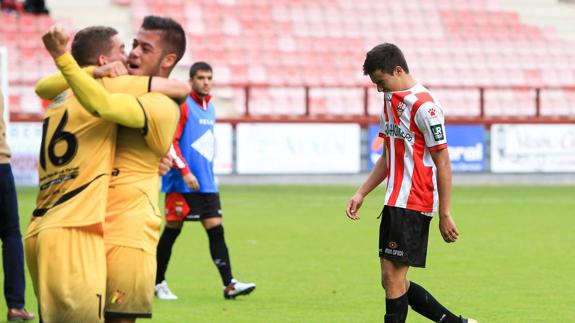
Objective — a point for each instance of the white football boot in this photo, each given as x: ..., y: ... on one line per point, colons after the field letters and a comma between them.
x: 236, y: 288
x: 164, y: 292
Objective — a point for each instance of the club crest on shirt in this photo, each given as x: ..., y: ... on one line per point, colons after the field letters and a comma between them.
x: 118, y: 297
x: 400, y: 108
x: 179, y: 208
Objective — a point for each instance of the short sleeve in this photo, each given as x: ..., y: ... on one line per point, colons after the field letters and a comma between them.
x: 381, y: 125
x: 129, y: 84
x: 430, y: 121
x: 162, y: 115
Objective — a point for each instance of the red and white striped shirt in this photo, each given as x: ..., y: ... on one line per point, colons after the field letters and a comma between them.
x: 412, y: 125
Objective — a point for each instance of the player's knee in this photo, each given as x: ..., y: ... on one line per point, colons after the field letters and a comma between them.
x: 176, y: 225
x: 384, y: 281
x: 390, y: 281
x: 212, y: 222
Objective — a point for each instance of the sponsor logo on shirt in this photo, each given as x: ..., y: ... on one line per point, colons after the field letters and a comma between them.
x: 205, y: 145
x: 437, y: 131
x: 393, y: 130
x: 207, y: 122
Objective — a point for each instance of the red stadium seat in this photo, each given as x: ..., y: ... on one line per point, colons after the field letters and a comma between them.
x: 323, y: 43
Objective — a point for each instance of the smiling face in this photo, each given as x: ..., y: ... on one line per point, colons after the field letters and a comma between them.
x: 147, y: 53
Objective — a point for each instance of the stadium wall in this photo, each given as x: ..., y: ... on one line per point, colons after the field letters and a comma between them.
x: 284, y: 152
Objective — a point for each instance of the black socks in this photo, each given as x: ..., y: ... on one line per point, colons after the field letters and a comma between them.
x: 165, y: 251
x: 423, y: 303
x: 219, y: 252
x: 396, y: 309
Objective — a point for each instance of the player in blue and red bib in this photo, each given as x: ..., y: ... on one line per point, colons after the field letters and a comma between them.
x: 190, y: 186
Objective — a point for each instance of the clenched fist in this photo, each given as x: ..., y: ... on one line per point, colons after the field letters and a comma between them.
x: 55, y: 41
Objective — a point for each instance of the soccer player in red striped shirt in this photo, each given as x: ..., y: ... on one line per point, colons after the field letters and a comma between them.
x: 417, y: 166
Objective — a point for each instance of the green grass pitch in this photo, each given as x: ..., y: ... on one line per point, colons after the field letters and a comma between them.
x: 513, y: 263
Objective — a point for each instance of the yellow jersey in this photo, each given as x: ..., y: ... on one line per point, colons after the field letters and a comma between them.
x: 75, y: 159
x: 76, y: 156
x: 133, y: 217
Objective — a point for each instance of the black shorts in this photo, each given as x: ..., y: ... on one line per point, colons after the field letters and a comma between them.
x: 403, y: 236
x: 203, y: 206
x: 198, y: 206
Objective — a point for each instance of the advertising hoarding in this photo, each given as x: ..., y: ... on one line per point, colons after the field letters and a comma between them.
x: 466, y: 147
x: 275, y: 148
x: 533, y: 148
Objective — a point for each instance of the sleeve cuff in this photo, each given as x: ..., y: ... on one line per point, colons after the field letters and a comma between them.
x: 438, y: 147
x: 64, y: 59
x: 185, y: 171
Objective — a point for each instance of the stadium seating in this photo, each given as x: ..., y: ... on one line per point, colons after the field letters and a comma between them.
x: 322, y: 44
x: 282, y: 46
x: 27, y: 60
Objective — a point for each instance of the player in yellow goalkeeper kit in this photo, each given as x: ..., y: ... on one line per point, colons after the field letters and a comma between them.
x: 132, y: 216
x: 64, y: 244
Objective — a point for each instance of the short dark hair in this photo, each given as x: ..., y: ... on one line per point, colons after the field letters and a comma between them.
x: 199, y: 66
x: 91, y: 42
x: 384, y: 57
x: 174, y: 35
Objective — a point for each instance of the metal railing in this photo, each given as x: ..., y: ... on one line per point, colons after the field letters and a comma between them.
x: 364, y: 117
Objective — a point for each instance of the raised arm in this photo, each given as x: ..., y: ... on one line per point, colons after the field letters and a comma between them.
x: 50, y: 86
x: 120, y: 108
x: 175, y: 89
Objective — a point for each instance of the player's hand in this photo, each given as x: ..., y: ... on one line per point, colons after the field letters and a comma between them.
x: 192, y: 182
x: 447, y: 228
x: 55, y: 41
x: 165, y: 164
x: 113, y: 69
x: 353, y: 206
